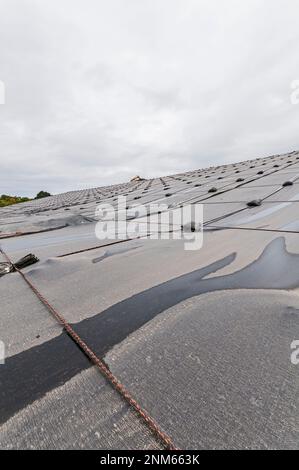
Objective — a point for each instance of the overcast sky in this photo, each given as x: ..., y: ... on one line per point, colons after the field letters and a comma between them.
x: 98, y: 91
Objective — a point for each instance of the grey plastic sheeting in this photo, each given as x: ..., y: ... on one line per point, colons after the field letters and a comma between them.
x: 216, y: 371
x: 86, y: 412
x: 78, y: 207
x: 275, y: 216
x: 201, y: 339
x: 24, y: 321
x: 36, y: 415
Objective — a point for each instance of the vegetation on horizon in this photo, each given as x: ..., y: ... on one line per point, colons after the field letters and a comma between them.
x: 6, y: 200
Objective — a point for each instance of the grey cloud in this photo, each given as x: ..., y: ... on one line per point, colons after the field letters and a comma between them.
x: 99, y: 91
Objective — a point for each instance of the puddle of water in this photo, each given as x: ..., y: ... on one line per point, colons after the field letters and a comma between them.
x: 29, y: 375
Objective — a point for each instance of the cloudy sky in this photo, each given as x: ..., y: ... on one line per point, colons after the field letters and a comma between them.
x: 98, y: 91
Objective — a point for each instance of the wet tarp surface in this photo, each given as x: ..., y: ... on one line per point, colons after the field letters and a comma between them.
x: 202, y: 339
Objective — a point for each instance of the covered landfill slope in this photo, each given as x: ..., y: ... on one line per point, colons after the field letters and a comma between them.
x: 200, y: 339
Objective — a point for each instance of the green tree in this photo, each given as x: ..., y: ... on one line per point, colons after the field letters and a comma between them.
x: 42, y: 194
